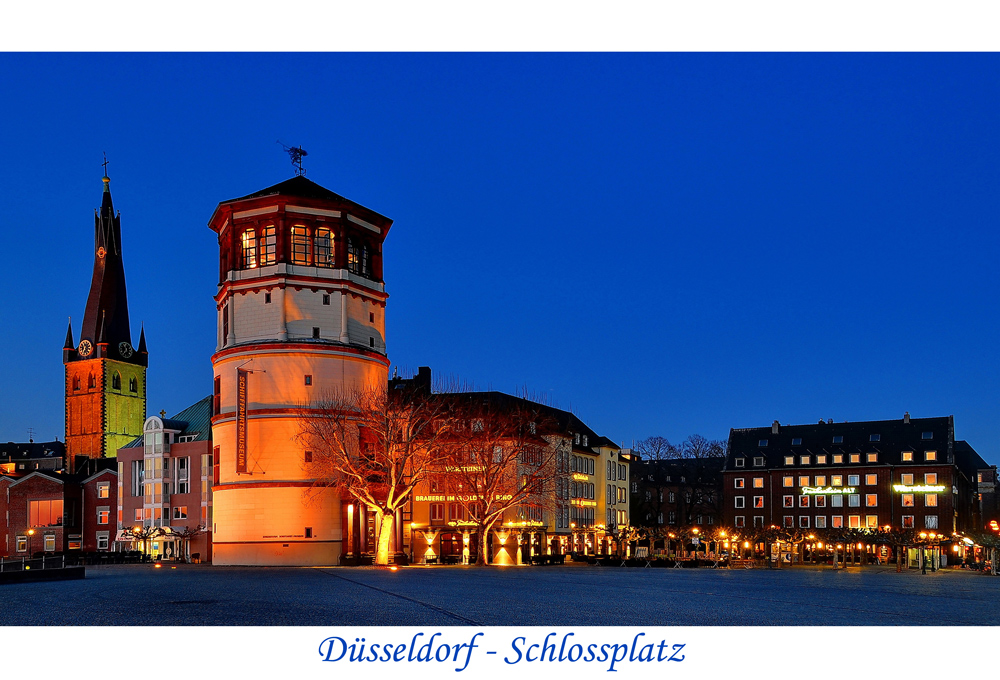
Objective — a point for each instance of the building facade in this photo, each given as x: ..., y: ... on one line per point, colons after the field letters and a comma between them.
x: 301, y: 312
x: 904, y: 474
x: 166, y: 479
x: 105, y: 375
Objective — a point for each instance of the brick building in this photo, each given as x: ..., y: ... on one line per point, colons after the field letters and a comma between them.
x: 166, y: 484
x: 909, y: 473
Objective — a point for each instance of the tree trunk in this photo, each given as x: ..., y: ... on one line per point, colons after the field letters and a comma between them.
x: 385, y: 520
x: 481, y: 535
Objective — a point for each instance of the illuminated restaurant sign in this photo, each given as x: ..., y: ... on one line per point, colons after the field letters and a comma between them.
x: 823, y: 490
x: 580, y: 478
x: 904, y: 488
x: 585, y: 504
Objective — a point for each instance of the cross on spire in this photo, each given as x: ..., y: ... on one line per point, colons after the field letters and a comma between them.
x: 105, y: 163
x: 163, y: 414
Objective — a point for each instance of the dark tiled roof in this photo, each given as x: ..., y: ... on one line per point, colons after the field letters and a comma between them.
x: 895, y: 436
x: 604, y: 441
x: 196, y: 419
x: 968, y: 459
x: 12, y: 451
x: 303, y: 188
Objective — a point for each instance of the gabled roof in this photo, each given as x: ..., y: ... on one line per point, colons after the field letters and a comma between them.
x: 12, y: 451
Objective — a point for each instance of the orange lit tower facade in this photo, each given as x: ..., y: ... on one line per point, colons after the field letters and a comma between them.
x: 105, y: 375
x: 301, y: 312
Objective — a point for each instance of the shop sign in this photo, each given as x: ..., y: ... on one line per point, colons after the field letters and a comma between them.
x: 241, y: 421
x: 580, y: 478
x: 822, y: 491
x: 926, y: 488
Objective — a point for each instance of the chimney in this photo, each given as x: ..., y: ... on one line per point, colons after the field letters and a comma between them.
x: 774, y: 427
x: 906, y: 417
x: 830, y: 421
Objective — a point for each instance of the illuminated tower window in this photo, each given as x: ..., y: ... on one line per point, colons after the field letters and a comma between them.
x: 116, y: 381
x: 300, y: 245
x: 324, y: 248
x: 267, y: 247
x: 249, y: 244
x: 352, y: 255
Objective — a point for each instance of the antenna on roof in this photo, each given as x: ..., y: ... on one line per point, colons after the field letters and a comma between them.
x: 296, y: 153
x: 31, y: 435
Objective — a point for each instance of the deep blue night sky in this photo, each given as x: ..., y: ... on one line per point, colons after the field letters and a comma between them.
x: 665, y: 244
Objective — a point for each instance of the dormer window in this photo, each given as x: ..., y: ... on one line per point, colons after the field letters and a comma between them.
x: 741, y: 462
x: 585, y: 440
x: 797, y: 441
x: 762, y: 442
x: 758, y: 461
x: 838, y: 439
x: 789, y: 460
x: 267, y: 246
x: 324, y: 247
x: 874, y: 437
x: 927, y: 435
x: 248, y: 243
x: 300, y: 245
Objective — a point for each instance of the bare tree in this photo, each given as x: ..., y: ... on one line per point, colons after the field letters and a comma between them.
x: 682, y: 479
x: 503, y: 455
x: 143, y: 534
x: 376, y: 447
x: 186, y: 534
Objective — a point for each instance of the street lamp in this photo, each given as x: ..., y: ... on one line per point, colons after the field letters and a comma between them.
x: 31, y: 533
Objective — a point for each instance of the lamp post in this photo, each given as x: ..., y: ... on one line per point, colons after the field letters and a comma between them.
x: 31, y: 533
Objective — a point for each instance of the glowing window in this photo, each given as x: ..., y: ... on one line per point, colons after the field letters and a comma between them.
x: 102, y: 516
x: 22, y: 544
x: 931, y: 500
x: 854, y: 521
x: 267, y: 246
x: 803, y: 501
x: 872, y: 458
x: 907, y: 500
x: 855, y: 457
x: 871, y: 521
x: 907, y: 456
x: 248, y: 243
x: 907, y: 521
x: 300, y: 245
x: 871, y: 480
x: 758, y: 501
x: 930, y: 455
x: 820, y: 501
x: 104, y: 490
x: 804, y: 460
x: 739, y: 482
x: 788, y: 481
x: 821, y: 460
x: 45, y: 513
x: 789, y: 460
x: 353, y: 255
x: 837, y: 522
x: 820, y: 480
x: 837, y: 480
x: 788, y: 501
x: 930, y: 478
x: 758, y: 482
x: 838, y: 459
x: 324, y: 248
x: 804, y: 480
x: 906, y: 478
x: 871, y: 500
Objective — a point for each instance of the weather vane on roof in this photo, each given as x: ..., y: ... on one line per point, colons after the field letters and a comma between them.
x: 295, y: 153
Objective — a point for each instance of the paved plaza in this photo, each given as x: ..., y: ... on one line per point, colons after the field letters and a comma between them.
x: 441, y: 596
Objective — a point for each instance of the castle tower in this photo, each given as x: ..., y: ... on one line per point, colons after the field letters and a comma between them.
x: 105, y: 375
x: 301, y: 312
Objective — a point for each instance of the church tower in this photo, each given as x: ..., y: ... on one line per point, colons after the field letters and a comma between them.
x: 105, y: 374
x: 301, y: 312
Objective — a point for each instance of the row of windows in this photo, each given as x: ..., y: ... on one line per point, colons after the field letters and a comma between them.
x: 116, y: 383
x: 837, y: 501
x: 788, y: 481
x: 837, y: 459
x: 672, y: 518
x: 583, y: 490
x: 839, y: 439
x: 582, y: 464
x: 616, y: 471
x: 317, y: 251
x: 837, y: 521
x: 615, y: 494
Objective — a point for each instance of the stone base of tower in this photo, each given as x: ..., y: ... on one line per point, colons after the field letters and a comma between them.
x: 276, y: 524
x: 312, y: 554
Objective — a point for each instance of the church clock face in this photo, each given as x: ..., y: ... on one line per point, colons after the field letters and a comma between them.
x: 101, y: 252
x: 85, y: 348
x: 125, y: 349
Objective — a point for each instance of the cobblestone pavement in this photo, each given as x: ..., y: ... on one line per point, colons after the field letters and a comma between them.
x: 570, y: 595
